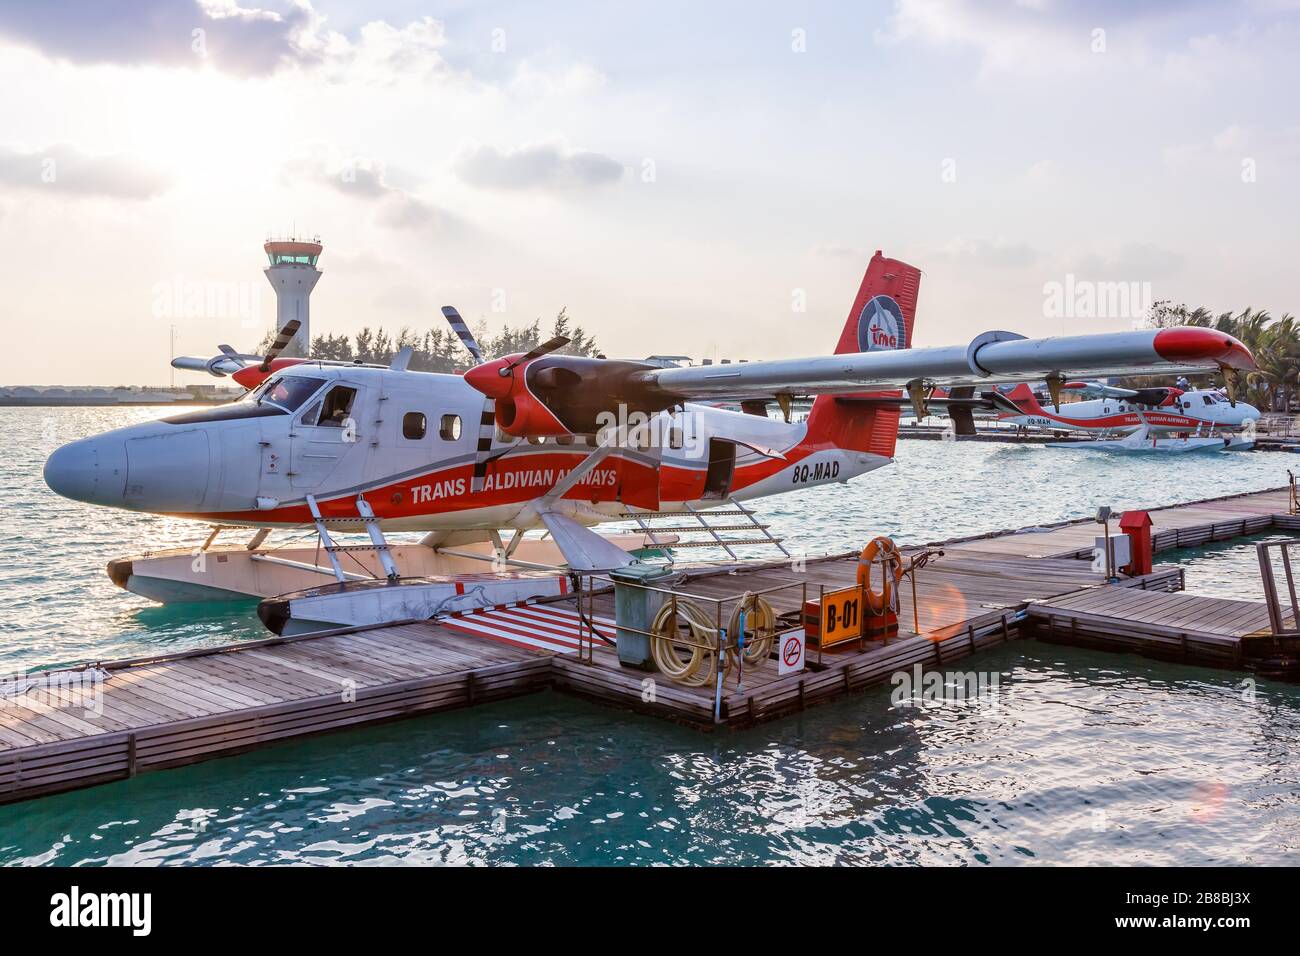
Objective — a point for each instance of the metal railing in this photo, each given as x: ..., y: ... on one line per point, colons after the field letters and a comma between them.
x: 1276, y: 613
x: 720, y: 642
x: 1279, y: 425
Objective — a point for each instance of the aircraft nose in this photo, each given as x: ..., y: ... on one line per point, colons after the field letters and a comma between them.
x: 92, y: 470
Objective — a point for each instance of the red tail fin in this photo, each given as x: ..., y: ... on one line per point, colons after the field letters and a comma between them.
x: 1024, y: 398
x: 883, y: 317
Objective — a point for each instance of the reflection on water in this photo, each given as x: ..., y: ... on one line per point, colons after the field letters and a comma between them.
x: 1083, y: 757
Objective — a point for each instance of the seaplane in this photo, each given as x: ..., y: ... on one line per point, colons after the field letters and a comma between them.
x: 537, y: 442
x: 1166, y: 419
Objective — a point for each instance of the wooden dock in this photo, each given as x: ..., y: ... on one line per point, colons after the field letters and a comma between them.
x: 1175, y: 526
x: 1181, y: 627
x: 71, y: 728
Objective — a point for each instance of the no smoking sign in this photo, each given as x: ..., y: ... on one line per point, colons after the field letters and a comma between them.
x: 791, y: 657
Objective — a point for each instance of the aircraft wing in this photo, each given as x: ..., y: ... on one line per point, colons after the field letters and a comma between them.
x: 991, y: 358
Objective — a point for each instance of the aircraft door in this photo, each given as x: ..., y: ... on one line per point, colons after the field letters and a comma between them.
x: 328, y: 432
x: 722, y: 468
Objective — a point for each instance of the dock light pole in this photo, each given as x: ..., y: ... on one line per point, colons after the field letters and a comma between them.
x: 1103, y: 519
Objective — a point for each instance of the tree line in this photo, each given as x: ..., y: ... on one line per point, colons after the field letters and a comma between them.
x: 439, y: 349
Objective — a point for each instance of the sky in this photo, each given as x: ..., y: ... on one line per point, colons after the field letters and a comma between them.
x: 684, y: 178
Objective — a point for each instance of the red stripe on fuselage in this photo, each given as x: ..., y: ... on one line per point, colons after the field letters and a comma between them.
x: 510, y: 481
x: 1158, y: 419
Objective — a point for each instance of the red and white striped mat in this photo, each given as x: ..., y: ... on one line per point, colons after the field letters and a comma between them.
x: 547, y: 627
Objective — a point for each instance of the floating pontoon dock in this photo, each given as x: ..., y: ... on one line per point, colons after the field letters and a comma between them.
x: 72, y: 728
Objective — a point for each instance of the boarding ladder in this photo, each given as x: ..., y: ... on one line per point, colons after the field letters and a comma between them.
x: 712, y: 523
x: 378, y: 543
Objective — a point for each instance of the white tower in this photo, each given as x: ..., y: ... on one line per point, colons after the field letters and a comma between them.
x: 293, y: 274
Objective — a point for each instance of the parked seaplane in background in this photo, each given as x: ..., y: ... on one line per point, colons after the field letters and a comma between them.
x: 1162, y: 419
x: 537, y: 441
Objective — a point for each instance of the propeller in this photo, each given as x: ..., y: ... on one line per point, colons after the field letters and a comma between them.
x: 546, y: 348
x: 462, y: 330
x: 487, y: 418
x: 281, y: 343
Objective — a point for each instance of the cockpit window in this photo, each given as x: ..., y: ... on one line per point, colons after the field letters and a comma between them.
x: 286, y: 392
x: 338, y: 406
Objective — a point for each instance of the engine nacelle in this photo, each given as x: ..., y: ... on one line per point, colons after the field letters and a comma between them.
x: 560, y: 395
x: 252, y: 376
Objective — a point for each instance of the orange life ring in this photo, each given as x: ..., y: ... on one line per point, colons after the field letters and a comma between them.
x: 881, y: 550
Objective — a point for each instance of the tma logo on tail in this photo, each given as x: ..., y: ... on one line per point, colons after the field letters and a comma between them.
x: 881, y: 325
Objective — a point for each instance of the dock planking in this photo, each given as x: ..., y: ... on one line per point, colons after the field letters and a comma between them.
x: 171, y: 710
x: 1183, y: 627
x: 1175, y: 526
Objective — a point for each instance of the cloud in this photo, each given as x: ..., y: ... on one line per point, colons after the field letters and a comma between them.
x: 1031, y: 35
x: 63, y: 169
x: 981, y: 251
x: 359, y: 176
x: 838, y: 250
x: 167, y: 32
x: 1138, y: 260
x: 533, y: 78
x: 383, y: 53
x: 367, y: 179
x: 401, y: 210
x: 1045, y: 172
x: 544, y: 166
x: 246, y: 41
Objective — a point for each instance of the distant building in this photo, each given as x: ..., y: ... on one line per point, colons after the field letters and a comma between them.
x: 293, y: 274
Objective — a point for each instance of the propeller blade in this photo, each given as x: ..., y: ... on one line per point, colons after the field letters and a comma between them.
x: 920, y: 397
x: 546, y: 348
x: 466, y: 336
x: 1231, y: 383
x: 482, y: 454
x: 280, y: 344
x: 1054, y: 383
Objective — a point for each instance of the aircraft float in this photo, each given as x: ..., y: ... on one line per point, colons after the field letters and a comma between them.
x: 538, y: 440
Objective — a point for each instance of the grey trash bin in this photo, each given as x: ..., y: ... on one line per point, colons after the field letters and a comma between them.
x: 635, y: 607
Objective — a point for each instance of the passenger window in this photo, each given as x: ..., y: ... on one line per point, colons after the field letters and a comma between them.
x: 414, y: 425
x: 338, y: 405
x: 449, y: 429
x: 1206, y: 399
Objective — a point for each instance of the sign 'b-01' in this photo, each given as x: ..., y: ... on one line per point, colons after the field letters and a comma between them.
x: 841, y: 616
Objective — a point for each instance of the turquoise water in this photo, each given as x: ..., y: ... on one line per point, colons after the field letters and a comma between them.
x: 1075, y: 757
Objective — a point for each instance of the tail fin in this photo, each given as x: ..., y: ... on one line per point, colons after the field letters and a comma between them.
x: 1024, y: 398
x: 883, y: 317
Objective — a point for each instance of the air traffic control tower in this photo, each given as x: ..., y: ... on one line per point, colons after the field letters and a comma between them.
x: 293, y: 274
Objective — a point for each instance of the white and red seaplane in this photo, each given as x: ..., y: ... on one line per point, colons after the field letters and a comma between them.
x: 536, y: 441
x: 1108, y: 410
